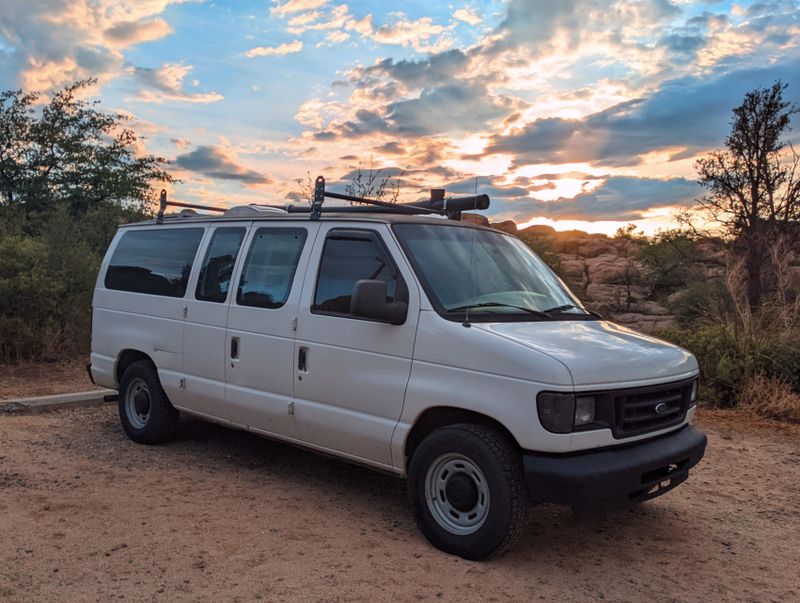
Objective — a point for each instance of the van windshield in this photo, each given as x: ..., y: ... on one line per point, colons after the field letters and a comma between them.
x: 485, y: 275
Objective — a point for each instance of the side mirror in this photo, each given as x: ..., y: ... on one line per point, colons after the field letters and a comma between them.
x: 369, y: 301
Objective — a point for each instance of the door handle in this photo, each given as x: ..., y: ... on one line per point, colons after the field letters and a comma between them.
x: 234, y: 348
x: 302, y: 359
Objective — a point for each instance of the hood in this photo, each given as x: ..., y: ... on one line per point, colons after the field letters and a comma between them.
x: 599, y: 352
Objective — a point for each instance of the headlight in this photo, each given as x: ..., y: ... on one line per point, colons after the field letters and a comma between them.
x: 584, y: 411
x: 695, y: 387
x: 562, y: 413
x: 556, y: 411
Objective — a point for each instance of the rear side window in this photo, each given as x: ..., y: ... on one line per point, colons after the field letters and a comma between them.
x: 215, y: 275
x: 157, y: 262
x: 270, y: 266
x: 346, y: 259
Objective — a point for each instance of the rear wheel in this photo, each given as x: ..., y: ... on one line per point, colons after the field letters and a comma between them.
x: 146, y: 413
x: 466, y: 490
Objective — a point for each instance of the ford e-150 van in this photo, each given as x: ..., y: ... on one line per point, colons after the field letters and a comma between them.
x: 434, y: 349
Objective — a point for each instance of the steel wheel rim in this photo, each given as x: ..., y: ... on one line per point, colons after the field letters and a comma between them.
x: 137, y: 403
x: 439, y: 479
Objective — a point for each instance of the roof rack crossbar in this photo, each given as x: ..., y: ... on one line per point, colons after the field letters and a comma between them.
x: 163, y: 204
x: 437, y: 204
x: 360, y: 209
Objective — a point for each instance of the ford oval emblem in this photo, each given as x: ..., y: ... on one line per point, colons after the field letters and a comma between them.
x: 661, y: 408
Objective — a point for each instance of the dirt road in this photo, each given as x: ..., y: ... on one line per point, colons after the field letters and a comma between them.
x: 87, y: 515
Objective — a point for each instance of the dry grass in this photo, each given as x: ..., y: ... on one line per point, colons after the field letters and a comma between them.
x: 770, y: 397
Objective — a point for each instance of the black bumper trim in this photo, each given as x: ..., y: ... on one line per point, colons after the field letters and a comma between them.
x: 602, y: 480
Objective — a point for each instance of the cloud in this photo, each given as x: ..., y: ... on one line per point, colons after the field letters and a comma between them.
x: 619, y: 198
x: 336, y: 37
x: 455, y: 107
x: 486, y: 185
x: 431, y: 71
x: 416, y: 34
x: 468, y: 16
x: 127, y: 33
x: 219, y: 163
x: 338, y: 18
x: 391, y: 148
x: 687, y: 115
x: 542, y: 24
x: 282, y: 49
x: 45, y: 45
x: 166, y: 83
x: 281, y: 9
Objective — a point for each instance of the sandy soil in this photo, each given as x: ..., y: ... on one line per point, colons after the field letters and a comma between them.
x: 85, y: 514
x: 43, y: 378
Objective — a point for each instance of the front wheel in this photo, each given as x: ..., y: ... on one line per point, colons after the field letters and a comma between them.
x: 146, y: 413
x: 466, y: 490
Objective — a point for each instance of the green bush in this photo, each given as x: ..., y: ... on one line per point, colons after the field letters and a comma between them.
x: 46, y: 285
x: 730, y: 358
x: 700, y: 301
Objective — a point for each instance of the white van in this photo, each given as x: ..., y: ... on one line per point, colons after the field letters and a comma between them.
x: 430, y: 348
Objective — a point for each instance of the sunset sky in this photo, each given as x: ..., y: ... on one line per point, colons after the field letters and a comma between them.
x: 585, y: 114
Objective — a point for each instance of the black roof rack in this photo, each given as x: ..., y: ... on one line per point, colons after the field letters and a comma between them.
x: 163, y: 203
x: 437, y: 204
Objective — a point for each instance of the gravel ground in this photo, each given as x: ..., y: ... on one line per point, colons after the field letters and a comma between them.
x: 86, y: 514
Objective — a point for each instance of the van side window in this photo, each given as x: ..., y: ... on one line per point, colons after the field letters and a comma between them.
x: 215, y: 275
x: 348, y: 257
x: 154, y: 261
x: 270, y: 266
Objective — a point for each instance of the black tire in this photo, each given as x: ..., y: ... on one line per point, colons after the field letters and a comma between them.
x: 491, y: 458
x: 146, y: 413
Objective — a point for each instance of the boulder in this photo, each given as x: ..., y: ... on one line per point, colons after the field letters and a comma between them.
x: 539, y: 230
x: 508, y: 226
x: 643, y: 322
x: 475, y: 219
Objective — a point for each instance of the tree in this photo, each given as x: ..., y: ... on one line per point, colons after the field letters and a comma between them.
x: 68, y: 153
x: 368, y: 183
x: 69, y: 174
x: 672, y: 257
x: 371, y: 183
x: 753, y: 183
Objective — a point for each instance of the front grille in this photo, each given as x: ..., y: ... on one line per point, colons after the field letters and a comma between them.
x: 633, y: 411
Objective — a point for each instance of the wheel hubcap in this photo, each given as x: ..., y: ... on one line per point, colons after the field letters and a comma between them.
x: 457, y: 494
x: 137, y: 403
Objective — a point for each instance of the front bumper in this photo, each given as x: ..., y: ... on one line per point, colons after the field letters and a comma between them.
x: 597, y: 481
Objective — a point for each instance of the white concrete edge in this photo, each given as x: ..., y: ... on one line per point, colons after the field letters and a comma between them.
x: 93, y: 397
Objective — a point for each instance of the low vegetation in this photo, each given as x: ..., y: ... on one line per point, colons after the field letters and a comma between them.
x: 70, y: 173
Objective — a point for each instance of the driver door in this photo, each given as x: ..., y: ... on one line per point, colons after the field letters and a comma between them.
x: 351, y: 373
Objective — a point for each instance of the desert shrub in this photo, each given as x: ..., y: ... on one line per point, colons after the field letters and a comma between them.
x: 731, y: 356
x: 672, y: 259
x: 46, y: 285
x: 771, y: 398
x: 701, y: 300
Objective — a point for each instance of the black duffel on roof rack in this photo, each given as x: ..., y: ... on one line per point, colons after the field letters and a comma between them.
x: 437, y: 204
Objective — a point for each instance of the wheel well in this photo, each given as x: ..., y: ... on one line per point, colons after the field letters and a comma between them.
x: 441, y: 416
x: 127, y: 358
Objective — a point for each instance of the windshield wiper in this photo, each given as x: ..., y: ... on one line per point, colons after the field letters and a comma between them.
x: 561, y: 308
x: 570, y: 307
x: 538, y: 313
